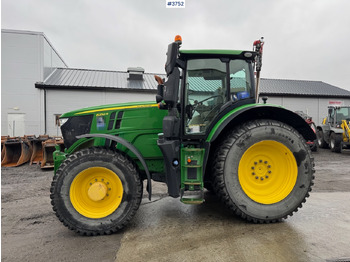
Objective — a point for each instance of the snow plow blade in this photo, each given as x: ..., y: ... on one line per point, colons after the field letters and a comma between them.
x: 17, y: 152
x: 48, y: 149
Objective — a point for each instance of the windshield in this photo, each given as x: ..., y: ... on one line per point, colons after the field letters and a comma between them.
x: 343, y: 114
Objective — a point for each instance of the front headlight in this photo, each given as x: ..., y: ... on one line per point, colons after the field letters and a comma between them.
x: 63, y: 121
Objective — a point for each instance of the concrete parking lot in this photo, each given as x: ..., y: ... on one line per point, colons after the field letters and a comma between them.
x: 166, y: 230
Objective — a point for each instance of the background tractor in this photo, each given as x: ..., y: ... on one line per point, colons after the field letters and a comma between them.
x: 205, y: 131
x: 334, y: 132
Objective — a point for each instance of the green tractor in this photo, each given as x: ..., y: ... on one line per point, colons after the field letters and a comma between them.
x: 205, y: 131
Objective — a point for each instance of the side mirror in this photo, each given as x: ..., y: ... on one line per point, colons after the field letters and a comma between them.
x: 171, y: 91
x: 330, y: 111
x: 172, y: 54
x: 160, y: 89
x: 160, y: 92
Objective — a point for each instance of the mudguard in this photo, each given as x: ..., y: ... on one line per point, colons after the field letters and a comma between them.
x: 132, y: 149
x: 261, y: 111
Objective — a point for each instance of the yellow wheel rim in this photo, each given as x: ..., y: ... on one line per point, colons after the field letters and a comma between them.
x: 96, y: 192
x: 267, y: 172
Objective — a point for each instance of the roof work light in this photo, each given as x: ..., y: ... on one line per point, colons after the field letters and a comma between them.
x: 178, y: 38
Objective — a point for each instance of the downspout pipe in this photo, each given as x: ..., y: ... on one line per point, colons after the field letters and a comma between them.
x: 45, y: 113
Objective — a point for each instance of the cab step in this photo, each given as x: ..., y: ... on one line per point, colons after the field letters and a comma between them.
x: 192, y: 193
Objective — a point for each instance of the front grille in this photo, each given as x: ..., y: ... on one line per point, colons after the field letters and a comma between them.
x: 75, y: 126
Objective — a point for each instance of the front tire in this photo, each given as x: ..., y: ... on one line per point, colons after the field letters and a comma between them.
x: 96, y: 191
x: 263, y: 171
x: 320, y: 139
x: 336, y: 142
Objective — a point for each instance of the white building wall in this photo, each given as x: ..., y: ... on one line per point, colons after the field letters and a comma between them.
x: 62, y: 101
x: 22, y: 65
x: 20, y: 69
x: 314, y: 107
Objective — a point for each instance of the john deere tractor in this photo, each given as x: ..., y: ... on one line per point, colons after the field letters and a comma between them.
x: 204, y: 131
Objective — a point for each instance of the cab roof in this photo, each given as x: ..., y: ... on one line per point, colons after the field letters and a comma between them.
x: 219, y: 52
x: 211, y: 52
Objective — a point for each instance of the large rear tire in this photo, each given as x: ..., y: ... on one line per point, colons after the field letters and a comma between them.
x: 96, y: 191
x: 263, y: 171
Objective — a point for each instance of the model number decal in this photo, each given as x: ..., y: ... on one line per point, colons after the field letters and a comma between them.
x: 102, y: 114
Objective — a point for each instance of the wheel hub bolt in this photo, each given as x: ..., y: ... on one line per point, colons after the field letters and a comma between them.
x: 262, y: 178
x: 266, y: 176
x: 256, y: 177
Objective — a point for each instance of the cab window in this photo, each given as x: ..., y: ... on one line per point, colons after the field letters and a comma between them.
x: 240, y: 82
x: 205, y: 93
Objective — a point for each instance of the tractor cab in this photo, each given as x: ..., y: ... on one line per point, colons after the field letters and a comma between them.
x: 337, y: 114
x: 202, y: 86
x: 211, y: 85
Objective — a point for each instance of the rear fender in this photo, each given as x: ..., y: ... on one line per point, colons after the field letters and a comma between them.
x: 258, y: 111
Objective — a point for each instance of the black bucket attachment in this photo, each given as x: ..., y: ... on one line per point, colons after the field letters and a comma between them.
x: 17, y: 152
x: 48, y: 149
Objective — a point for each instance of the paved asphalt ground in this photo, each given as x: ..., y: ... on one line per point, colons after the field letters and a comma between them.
x: 166, y: 230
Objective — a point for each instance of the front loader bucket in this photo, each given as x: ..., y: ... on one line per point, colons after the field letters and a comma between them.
x: 17, y: 152
x: 38, y: 154
x: 3, y: 140
x: 48, y: 149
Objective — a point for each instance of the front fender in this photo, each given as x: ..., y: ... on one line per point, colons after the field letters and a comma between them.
x: 131, y: 147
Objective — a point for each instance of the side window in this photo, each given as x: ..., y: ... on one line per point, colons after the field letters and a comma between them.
x: 240, y: 83
x: 205, y: 93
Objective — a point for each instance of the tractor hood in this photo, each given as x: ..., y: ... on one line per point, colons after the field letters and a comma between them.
x: 127, y: 119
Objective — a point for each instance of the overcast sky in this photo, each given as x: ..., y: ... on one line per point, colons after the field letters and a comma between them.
x: 305, y: 39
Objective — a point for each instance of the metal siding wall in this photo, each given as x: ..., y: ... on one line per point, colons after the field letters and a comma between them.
x: 20, y: 68
x: 273, y: 100
x: 314, y: 107
x: 61, y: 101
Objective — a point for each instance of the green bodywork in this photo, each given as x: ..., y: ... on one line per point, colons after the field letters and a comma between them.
x: 140, y: 125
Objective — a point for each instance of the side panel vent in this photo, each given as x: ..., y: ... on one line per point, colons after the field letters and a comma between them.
x: 119, y: 119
